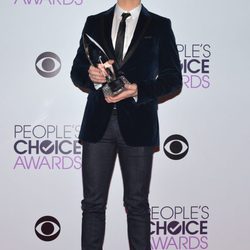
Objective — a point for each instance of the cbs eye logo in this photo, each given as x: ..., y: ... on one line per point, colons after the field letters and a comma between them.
x: 48, y: 64
x: 176, y: 147
x: 47, y: 228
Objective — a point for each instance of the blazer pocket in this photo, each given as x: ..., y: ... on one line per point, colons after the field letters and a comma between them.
x: 147, y: 37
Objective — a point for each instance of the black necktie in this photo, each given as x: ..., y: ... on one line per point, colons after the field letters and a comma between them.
x: 120, y: 38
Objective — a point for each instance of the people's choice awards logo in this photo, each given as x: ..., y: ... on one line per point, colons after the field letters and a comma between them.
x: 48, y: 2
x: 176, y: 147
x: 48, y: 64
x: 53, y: 147
x: 47, y: 228
x: 179, y: 227
x: 195, y: 63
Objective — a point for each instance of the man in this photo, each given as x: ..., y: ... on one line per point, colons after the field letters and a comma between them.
x: 127, y: 124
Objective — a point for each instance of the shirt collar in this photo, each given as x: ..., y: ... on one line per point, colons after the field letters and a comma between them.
x: 134, y: 12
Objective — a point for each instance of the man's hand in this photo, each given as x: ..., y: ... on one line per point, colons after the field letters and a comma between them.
x: 129, y: 91
x: 98, y: 74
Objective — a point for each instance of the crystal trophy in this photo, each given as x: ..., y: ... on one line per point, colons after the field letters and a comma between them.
x: 96, y: 55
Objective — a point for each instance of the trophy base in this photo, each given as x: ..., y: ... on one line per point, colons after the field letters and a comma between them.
x: 115, y: 87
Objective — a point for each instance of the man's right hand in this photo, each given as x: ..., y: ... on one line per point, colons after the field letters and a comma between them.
x: 98, y: 74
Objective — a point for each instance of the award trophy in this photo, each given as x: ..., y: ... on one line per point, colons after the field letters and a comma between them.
x: 96, y: 55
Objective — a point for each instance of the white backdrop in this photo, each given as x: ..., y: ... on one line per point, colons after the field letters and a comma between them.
x: 207, y: 189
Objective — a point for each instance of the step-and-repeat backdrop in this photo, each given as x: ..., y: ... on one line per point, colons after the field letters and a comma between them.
x: 200, y: 185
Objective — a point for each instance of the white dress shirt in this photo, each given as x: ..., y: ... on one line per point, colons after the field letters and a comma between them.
x: 131, y: 23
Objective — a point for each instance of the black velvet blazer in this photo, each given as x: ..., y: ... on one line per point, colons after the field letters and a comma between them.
x: 152, y: 62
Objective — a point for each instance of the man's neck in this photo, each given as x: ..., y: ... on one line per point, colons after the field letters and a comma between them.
x: 128, y: 4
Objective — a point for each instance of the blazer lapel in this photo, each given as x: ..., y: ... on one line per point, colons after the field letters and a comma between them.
x: 141, y: 27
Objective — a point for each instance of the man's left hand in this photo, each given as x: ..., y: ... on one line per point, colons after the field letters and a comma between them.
x: 129, y: 91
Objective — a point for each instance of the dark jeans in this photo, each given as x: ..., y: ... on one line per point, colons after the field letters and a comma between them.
x: 98, y: 164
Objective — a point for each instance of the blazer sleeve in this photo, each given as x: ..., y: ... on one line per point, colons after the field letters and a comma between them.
x: 79, y: 71
x: 169, y: 80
